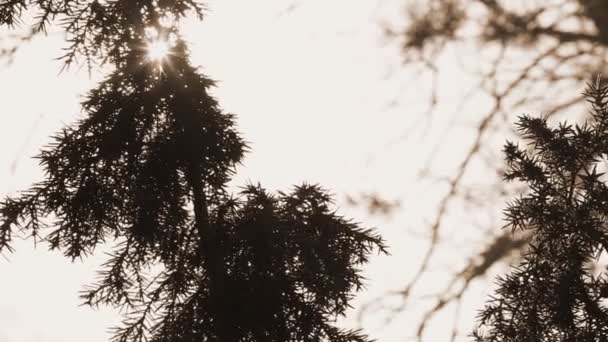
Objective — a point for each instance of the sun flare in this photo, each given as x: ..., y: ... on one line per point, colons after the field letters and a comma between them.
x: 158, y: 50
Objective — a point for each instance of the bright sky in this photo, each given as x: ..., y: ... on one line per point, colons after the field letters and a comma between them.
x: 312, y: 89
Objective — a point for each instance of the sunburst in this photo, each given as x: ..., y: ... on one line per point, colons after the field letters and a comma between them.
x: 159, y: 44
x: 157, y: 50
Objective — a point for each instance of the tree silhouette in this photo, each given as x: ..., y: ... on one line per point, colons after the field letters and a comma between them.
x: 147, y: 169
x: 554, y: 295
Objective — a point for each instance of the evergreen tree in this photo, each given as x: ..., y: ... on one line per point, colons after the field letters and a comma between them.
x: 147, y: 168
x: 554, y: 295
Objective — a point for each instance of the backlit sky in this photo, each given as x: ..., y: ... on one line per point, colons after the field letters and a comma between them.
x: 312, y: 89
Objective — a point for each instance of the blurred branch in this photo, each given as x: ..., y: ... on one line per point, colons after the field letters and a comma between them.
x: 374, y: 203
x: 501, y: 247
x: 456, y: 180
x: 558, y: 48
x: 10, y: 43
x: 498, y: 249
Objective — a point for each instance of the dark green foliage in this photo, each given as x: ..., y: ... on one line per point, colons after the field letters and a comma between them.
x: 146, y: 170
x: 553, y: 294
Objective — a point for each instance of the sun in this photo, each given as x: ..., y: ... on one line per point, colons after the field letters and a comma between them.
x: 158, y: 50
x: 159, y: 43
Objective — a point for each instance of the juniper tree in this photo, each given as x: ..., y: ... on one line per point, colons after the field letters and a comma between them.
x: 554, y: 294
x: 146, y: 170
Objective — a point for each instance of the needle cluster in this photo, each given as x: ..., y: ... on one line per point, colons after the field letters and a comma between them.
x: 555, y: 294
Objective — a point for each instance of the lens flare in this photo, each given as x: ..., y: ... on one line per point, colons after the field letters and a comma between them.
x: 157, y: 50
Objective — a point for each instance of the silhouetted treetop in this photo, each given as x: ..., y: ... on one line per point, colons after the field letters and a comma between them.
x: 554, y: 294
x: 146, y: 170
x: 129, y: 161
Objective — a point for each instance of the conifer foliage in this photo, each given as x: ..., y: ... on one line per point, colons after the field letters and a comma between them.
x: 555, y: 294
x: 146, y: 170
